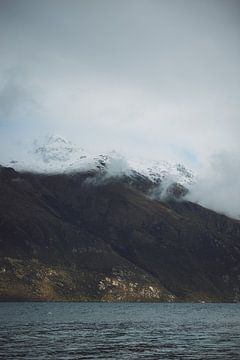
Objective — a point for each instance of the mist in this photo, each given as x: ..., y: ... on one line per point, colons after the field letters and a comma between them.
x: 218, y: 183
x: 149, y: 79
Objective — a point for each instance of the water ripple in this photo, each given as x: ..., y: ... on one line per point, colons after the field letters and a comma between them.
x: 37, y: 331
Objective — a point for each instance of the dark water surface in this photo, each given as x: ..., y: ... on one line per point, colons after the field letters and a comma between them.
x: 119, y: 331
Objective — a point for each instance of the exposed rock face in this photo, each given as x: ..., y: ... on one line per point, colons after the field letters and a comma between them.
x: 73, y: 237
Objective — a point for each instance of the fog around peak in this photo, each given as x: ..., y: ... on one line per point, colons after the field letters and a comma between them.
x: 155, y: 79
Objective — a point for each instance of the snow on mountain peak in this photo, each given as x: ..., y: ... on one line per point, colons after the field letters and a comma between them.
x: 163, y: 170
x: 55, y: 154
x: 57, y: 149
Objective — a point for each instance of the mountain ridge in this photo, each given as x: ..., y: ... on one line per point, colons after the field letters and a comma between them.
x: 56, y: 155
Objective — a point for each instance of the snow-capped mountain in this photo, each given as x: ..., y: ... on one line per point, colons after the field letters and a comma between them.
x: 54, y: 155
x: 58, y: 155
x: 163, y: 170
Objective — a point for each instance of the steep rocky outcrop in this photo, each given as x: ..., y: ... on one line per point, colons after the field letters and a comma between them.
x: 83, y: 237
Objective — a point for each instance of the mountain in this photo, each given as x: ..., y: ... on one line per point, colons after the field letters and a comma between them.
x: 58, y: 155
x: 86, y: 235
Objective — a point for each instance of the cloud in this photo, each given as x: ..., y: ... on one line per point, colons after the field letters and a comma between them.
x: 116, y: 165
x: 16, y: 99
x: 218, y: 184
x: 159, y: 79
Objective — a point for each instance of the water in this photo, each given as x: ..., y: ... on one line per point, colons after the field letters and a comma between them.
x: 68, y: 331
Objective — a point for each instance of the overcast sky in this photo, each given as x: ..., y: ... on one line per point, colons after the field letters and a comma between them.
x: 153, y: 78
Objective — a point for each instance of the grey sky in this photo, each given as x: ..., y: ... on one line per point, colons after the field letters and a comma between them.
x: 159, y: 79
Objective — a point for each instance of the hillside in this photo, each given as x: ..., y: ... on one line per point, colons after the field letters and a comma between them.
x: 81, y: 236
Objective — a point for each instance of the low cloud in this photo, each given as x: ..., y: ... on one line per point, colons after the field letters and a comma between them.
x: 116, y: 166
x: 218, y: 184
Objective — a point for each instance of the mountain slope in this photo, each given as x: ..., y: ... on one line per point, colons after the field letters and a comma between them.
x: 83, y: 236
